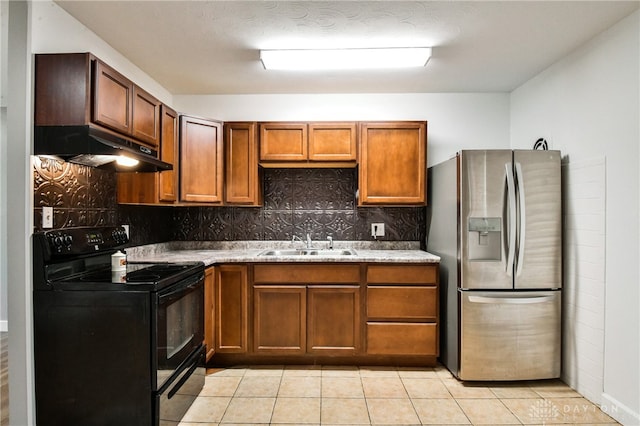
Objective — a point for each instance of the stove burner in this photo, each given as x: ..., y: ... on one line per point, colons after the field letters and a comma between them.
x: 142, y: 276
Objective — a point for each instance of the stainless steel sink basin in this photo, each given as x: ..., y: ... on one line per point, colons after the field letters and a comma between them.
x: 309, y: 252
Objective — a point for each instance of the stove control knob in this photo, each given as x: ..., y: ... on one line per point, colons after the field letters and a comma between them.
x: 68, y: 240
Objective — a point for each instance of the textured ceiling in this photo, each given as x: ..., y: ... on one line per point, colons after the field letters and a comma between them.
x: 211, y: 47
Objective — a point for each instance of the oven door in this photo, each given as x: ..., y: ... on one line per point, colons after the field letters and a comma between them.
x: 179, y: 326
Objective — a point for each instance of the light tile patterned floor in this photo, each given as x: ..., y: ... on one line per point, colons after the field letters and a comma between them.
x: 326, y: 395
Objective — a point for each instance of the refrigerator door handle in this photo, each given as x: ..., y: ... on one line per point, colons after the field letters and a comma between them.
x: 511, y: 300
x: 511, y: 198
x: 522, y: 220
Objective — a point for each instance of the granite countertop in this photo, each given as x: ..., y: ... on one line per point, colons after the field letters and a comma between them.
x: 217, y: 252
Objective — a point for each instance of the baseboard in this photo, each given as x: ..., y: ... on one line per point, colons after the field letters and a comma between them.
x: 4, y: 325
x: 619, y: 411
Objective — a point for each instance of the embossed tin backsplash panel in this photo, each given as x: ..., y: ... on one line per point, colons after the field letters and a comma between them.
x: 320, y: 202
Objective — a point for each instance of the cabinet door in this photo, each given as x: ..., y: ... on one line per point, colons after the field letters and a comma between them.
x: 283, y: 141
x: 333, y: 325
x: 137, y: 188
x: 279, y: 319
x: 113, y: 95
x: 201, y: 160
x: 146, y: 117
x: 168, y: 187
x: 242, y: 182
x: 332, y: 141
x: 209, y: 311
x: 392, y: 163
x: 231, y: 309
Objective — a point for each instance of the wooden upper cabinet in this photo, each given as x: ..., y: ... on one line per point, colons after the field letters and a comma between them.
x: 158, y: 187
x: 62, y: 89
x: 146, y: 117
x: 201, y: 160
x: 332, y: 141
x: 112, y: 99
x: 318, y: 144
x: 392, y: 163
x: 168, y: 180
x: 73, y: 89
x: 242, y: 180
x: 283, y: 141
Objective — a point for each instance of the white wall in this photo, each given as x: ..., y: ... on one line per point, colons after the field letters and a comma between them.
x: 17, y: 175
x: 587, y: 106
x: 455, y: 120
x: 4, y: 31
x: 34, y: 27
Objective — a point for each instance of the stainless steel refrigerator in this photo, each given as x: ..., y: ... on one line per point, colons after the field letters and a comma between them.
x: 494, y: 218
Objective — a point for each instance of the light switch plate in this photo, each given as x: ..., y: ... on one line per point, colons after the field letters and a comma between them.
x: 47, y: 217
x: 377, y: 230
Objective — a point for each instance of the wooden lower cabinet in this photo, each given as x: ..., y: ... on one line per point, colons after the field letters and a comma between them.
x: 326, y: 312
x: 231, y: 302
x: 306, y: 309
x: 333, y: 324
x: 279, y: 319
x: 209, y: 311
x: 402, y: 310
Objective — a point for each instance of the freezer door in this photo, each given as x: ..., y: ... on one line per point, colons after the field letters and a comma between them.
x: 538, y: 258
x: 484, y: 224
x: 509, y: 335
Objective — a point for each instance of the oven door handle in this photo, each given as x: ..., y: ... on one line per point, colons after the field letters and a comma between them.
x: 185, y: 286
x: 183, y: 379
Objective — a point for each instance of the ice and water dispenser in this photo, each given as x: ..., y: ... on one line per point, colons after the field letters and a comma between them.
x: 485, y: 236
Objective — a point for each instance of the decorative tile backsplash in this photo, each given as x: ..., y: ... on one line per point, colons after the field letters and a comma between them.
x: 86, y: 196
x: 79, y: 195
x: 320, y: 202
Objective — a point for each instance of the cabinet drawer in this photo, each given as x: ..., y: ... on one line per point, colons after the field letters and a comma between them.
x: 402, y: 339
x: 402, y: 274
x: 287, y: 273
x: 402, y: 302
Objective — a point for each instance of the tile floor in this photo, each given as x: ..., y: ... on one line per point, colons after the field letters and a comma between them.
x: 325, y: 395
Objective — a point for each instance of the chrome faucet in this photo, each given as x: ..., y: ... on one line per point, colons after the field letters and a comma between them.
x: 308, y: 240
x: 330, y: 238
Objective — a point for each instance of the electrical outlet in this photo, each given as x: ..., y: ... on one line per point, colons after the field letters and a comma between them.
x: 377, y: 230
x: 47, y: 217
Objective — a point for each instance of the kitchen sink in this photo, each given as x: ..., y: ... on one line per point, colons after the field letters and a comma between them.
x: 309, y: 252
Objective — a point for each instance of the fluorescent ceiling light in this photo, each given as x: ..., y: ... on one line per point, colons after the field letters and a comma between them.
x: 328, y: 59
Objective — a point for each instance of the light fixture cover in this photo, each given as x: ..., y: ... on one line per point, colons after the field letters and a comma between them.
x: 123, y: 160
x: 334, y: 59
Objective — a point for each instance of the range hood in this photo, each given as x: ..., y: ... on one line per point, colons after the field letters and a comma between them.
x: 94, y: 147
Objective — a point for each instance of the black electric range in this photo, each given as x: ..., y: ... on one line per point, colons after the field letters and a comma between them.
x: 113, y: 347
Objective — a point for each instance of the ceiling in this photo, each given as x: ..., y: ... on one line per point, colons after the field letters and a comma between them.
x: 212, y: 47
